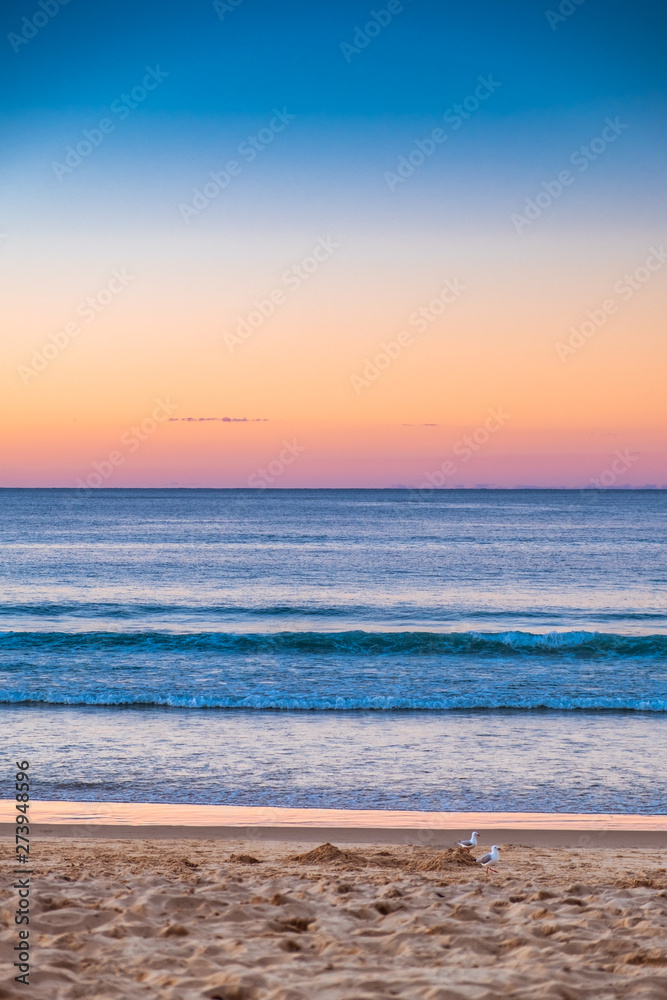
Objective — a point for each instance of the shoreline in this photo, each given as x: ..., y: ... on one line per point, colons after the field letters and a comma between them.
x: 159, y: 821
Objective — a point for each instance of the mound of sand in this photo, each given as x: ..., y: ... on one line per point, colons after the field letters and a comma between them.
x: 656, y: 879
x: 451, y: 858
x: 324, y: 855
x: 328, y: 855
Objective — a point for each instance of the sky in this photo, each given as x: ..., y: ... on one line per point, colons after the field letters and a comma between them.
x: 289, y: 245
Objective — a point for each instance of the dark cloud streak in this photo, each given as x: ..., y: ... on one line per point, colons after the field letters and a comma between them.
x: 222, y: 420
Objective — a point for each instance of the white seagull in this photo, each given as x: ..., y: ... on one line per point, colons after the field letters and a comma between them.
x: 469, y: 843
x: 487, y: 859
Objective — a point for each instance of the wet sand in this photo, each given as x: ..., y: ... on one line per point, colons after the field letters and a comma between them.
x: 171, y: 821
x: 251, y: 919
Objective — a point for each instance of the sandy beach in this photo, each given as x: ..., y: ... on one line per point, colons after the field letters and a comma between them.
x: 250, y: 919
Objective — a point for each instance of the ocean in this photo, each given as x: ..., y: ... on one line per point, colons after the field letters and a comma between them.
x: 388, y: 649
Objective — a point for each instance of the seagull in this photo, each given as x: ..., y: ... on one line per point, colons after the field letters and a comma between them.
x: 469, y: 843
x: 486, y: 859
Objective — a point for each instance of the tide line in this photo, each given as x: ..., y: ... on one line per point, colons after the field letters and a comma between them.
x: 150, y: 820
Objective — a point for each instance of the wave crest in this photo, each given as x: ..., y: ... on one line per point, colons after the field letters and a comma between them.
x: 351, y: 643
x: 279, y: 701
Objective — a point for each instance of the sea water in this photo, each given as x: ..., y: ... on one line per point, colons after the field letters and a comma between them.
x: 470, y: 649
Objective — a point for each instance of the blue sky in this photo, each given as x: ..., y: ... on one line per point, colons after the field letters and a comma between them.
x: 263, y: 53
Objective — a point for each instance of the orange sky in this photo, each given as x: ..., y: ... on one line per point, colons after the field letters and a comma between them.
x: 344, y: 331
x: 486, y: 340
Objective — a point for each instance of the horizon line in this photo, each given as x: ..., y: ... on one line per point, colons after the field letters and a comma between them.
x: 375, y: 489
